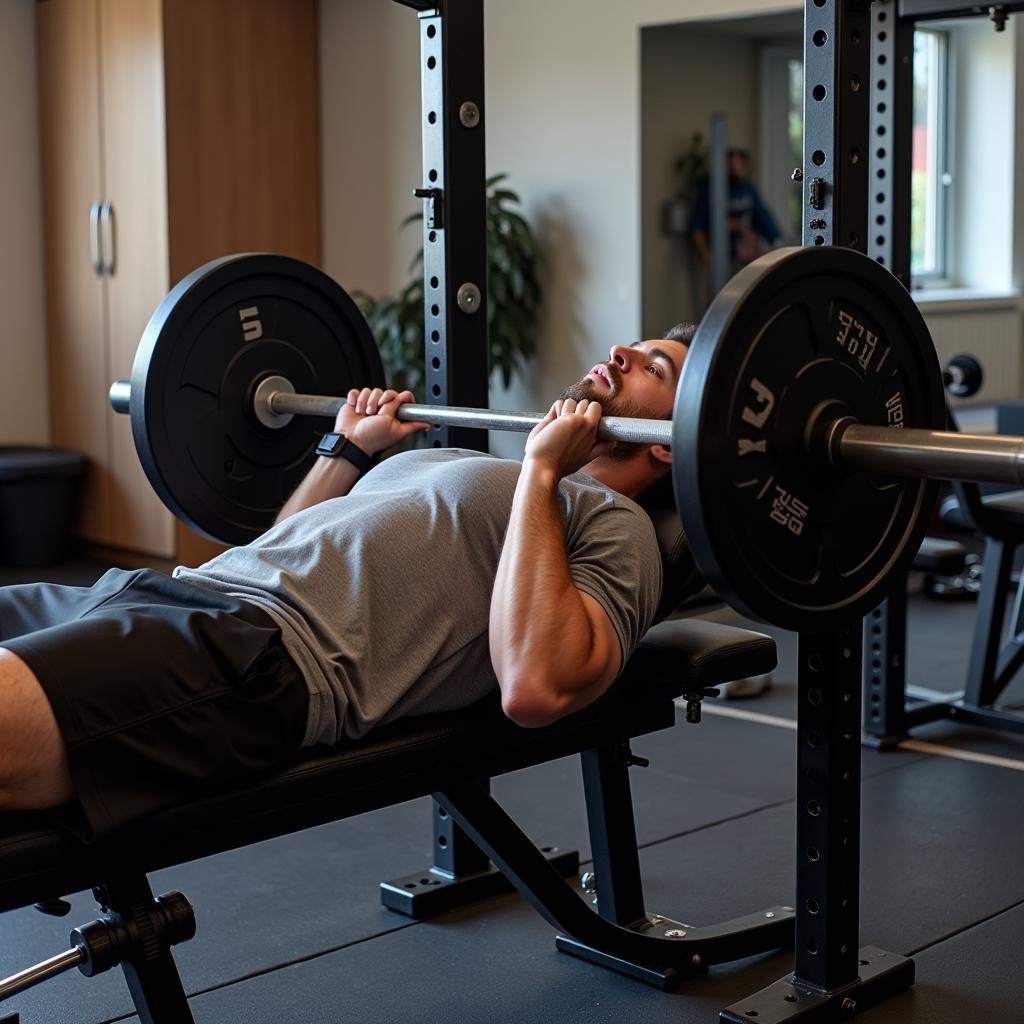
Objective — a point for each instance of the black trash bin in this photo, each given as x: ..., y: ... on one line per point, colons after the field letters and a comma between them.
x: 39, y: 490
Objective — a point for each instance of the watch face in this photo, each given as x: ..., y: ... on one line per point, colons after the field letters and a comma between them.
x: 329, y: 444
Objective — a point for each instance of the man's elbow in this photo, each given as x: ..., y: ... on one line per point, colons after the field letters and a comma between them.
x: 530, y: 704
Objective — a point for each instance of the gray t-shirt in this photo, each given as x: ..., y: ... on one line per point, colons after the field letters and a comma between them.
x: 383, y: 596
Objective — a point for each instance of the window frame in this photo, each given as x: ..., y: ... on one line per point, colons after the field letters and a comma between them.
x: 943, y: 98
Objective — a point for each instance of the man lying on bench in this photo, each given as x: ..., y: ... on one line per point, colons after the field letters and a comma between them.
x: 371, y: 598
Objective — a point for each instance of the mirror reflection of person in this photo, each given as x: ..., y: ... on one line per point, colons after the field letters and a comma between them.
x: 748, y: 218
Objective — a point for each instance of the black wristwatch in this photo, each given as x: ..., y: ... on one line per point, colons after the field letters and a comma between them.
x: 333, y: 445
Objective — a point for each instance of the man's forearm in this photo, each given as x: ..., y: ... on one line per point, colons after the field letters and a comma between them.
x: 328, y: 478
x: 540, y: 634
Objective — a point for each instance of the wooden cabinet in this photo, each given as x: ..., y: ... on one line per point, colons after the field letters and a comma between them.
x: 192, y: 126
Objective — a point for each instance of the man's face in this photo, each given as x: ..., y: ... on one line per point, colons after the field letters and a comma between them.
x: 636, y: 380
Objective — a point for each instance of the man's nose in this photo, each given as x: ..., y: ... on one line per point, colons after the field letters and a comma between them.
x: 622, y: 357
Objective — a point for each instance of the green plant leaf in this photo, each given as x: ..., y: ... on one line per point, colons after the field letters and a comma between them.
x: 514, y: 299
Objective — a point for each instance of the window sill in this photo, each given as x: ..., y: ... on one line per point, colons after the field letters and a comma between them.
x: 965, y: 300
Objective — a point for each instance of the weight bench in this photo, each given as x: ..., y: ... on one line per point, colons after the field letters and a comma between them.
x: 449, y: 756
x: 439, y: 754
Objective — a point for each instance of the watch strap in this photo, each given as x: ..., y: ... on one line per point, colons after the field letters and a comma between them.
x: 334, y: 445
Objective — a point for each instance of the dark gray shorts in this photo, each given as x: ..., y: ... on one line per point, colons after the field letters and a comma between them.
x: 162, y: 691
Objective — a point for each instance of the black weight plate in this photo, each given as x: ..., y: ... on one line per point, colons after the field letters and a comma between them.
x: 800, y: 336
x: 220, y: 331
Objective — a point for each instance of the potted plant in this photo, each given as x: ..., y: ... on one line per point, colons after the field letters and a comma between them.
x: 513, y: 305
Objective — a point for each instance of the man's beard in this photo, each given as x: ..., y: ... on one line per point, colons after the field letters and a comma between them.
x: 611, y: 405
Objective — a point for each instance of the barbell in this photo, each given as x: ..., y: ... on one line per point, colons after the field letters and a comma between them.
x: 274, y: 404
x: 806, y: 434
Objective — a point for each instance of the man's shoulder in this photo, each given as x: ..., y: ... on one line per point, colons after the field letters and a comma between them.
x: 595, y: 496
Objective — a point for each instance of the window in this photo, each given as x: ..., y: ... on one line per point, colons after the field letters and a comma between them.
x: 930, y: 177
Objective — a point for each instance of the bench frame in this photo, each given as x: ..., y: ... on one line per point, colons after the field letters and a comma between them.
x: 444, y: 756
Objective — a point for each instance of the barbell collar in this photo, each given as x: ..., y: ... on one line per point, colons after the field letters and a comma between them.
x: 120, y: 396
x: 935, y: 454
x: 611, y: 428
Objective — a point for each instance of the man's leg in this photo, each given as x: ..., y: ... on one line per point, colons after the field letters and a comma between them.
x: 138, y: 694
x: 33, y: 758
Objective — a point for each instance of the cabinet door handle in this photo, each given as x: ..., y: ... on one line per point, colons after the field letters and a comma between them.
x: 107, y: 231
x: 95, y: 258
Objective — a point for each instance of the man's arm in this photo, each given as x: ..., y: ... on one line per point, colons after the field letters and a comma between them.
x: 368, y: 420
x: 327, y: 478
x: 553, y: 647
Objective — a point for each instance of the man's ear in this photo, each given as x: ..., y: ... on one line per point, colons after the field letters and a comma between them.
x: 662, y: 453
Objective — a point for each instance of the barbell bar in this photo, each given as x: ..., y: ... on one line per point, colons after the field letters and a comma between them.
x: 611, y: 428
x: 848, y: 445
x: 274, y: 408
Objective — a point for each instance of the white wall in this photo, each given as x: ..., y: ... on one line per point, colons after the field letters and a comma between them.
x: 370, y: 141
x: 24, y: 410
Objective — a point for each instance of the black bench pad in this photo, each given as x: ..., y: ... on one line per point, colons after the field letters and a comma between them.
x: 940, y: 557
x: 411, y: 758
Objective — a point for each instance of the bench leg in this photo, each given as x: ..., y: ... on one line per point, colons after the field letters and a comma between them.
x: 653, y: 949
x: 152, y: 978
x: 612, y: 827
x: 461, y: 873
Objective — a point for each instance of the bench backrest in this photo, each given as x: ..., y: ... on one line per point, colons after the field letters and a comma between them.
x: 681, y: 579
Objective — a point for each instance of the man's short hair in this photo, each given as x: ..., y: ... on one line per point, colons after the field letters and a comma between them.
x: 683, y: 333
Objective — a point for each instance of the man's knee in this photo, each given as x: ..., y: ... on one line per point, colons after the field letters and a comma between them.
x: 33, y: 757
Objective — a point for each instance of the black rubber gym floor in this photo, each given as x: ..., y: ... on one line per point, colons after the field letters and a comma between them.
x: 292, y: 930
